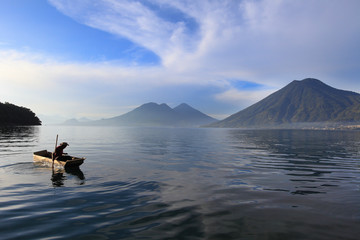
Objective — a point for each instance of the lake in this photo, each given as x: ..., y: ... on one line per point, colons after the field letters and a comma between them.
x: 181, y: 183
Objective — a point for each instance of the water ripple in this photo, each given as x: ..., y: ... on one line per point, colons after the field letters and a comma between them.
x: 183, y: 184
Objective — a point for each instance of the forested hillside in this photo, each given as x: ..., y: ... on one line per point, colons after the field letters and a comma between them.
x: 11, y: 114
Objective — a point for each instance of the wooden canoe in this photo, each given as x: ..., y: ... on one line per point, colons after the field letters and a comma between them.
x: 46, y: 156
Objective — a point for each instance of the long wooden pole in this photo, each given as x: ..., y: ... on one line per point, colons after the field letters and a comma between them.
x: 57, y: 135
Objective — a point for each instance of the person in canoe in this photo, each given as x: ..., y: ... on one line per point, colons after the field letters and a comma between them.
x: 59, y: 152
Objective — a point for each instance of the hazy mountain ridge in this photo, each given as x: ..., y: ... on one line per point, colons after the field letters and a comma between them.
x: 153, y: 114
x: 75, y: 121
x: 149, y: 114
x: 11, y: 114
x: 306, y: 101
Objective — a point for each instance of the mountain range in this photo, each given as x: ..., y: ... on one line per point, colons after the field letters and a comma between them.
x: 155, y: 115
x: 307, y: 101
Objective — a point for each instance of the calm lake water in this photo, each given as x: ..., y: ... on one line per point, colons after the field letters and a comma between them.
x: 179, y: 183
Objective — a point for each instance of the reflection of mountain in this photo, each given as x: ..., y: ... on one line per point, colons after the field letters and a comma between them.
x: 13, y: 115
x: 152, y: 114
x: 299, y: 144
x: 23, y: 136
x: 310, y: 159
x: 306, y: 101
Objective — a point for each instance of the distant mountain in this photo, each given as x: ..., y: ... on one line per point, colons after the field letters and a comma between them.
x: 11, y: 114
x: 74, y: 121
x: 153, y: 114
x: 190, y: 116
x: 306, y: 101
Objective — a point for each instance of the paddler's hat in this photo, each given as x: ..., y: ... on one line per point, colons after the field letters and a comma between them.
x: 64, y: 144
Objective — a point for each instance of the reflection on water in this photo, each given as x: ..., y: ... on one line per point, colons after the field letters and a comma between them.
x: 21, y: 172
x: 315, y: 161
x: 18, y: 132
x: 15, y: 141
x: 17, y: 136
x: 58, y: 176
x: 76, y: 172
x: 163, y: 183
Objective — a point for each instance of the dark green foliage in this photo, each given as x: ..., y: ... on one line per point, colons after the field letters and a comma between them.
x: 11, y: 114
x: 306, y: 101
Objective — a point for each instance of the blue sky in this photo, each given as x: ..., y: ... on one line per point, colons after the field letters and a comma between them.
x: 98, y: 59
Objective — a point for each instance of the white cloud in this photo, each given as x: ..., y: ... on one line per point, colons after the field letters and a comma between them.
x: 132, y: 20
x: 84, y: 89
x: 243, y: 99
x: 263, y: 39
x: 270, y: 42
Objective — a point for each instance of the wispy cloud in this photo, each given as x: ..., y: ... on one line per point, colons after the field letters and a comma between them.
x: 49, y: 87
x: 242, y: 98
x: 262, y: 38
x: 201, y: 45
x: 139, y: 22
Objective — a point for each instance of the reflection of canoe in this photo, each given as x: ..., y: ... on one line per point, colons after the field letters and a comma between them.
x: 58, y: 178
x: 45, y: 156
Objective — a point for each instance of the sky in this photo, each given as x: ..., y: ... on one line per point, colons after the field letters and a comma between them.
x: 103, y: 58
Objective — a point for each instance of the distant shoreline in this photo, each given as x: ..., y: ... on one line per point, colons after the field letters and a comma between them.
x: 301, y: 126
